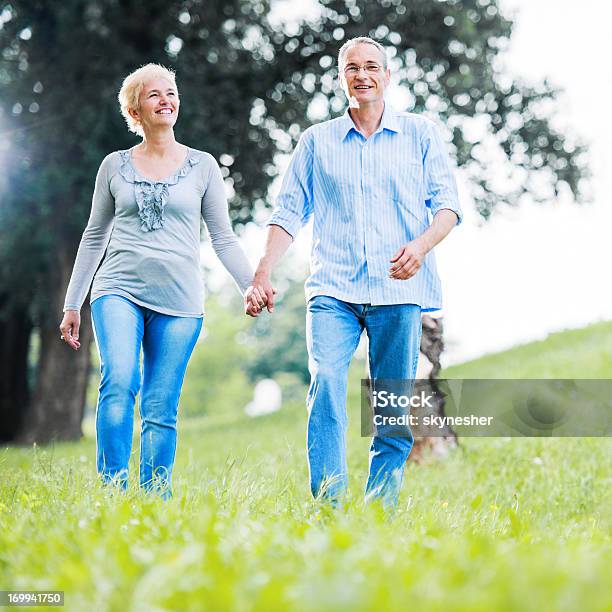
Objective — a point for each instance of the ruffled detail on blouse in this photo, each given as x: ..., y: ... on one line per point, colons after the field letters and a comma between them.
x: 152, y: 196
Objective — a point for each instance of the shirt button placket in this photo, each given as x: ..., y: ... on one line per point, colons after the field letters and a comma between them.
x: 370, y: 249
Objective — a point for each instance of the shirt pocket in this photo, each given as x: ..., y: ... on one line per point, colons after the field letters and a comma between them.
x: 404, y: 177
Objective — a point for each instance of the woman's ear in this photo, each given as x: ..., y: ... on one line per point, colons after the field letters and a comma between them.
x: 134, y: 114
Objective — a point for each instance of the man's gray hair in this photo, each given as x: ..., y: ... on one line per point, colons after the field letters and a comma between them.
x: 360, y: 40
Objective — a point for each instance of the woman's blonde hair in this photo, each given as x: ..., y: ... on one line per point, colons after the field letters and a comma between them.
x: 129, y: 94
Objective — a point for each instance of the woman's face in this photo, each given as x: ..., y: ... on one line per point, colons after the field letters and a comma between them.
x: 159, y: 105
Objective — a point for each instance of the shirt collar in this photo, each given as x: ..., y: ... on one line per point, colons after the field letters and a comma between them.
x: 389, y: 122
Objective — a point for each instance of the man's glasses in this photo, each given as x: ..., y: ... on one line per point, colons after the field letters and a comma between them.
x: 369, y: 68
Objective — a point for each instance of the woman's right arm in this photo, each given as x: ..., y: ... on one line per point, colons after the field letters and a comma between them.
x: 91, y: 250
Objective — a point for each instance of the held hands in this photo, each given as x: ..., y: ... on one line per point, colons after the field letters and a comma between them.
x: 70, y: 329
x: 259, y: 295
x: 407, y: 261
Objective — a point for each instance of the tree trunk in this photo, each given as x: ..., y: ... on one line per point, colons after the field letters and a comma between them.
x: 432, y: 346
x: 58, y: 402
x: 14, y: 390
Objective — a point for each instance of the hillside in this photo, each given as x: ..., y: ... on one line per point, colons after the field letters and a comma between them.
x: 576, y: 353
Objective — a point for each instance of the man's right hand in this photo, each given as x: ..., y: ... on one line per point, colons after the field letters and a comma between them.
x: 70, y: 329
x: 259, y: 295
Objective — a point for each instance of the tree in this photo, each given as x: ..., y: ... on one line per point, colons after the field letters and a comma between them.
x: 248, y: 88
x: 61, y: 68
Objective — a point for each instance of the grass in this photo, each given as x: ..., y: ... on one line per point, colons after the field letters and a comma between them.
x: 501, y: 524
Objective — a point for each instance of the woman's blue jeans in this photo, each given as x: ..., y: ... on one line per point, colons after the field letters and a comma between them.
x: 333, y: 330
x: 121, y: 329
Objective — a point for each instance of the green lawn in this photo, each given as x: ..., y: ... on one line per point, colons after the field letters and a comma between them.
x: 577, y: 353
x: 502, y: 524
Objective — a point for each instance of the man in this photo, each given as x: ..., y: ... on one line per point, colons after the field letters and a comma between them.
x: 369, y: 178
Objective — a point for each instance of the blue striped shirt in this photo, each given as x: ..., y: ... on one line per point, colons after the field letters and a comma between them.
x: 369, y: 197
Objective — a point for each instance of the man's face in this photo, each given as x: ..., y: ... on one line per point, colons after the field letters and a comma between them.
x: 362, y: 75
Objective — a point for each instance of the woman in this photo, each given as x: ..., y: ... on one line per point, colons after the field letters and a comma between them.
x: 147, y: 292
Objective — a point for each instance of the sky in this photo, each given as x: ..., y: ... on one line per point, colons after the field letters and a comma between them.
x: 541, y: 268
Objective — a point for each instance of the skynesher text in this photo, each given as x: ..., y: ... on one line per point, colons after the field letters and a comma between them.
x: 432, y: 420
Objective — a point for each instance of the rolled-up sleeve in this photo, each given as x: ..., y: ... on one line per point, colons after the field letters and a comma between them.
x: 294, y: 202
x: 440, y: 184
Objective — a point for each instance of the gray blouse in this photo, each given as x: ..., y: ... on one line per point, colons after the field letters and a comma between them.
x: 147, y: 236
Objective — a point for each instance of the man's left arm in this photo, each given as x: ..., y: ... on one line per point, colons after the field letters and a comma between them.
x: 407, y: 261
x: 441, y: 198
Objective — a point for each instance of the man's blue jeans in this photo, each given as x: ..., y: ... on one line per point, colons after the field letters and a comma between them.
x: 333, y: 330
x: 121, y: 329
